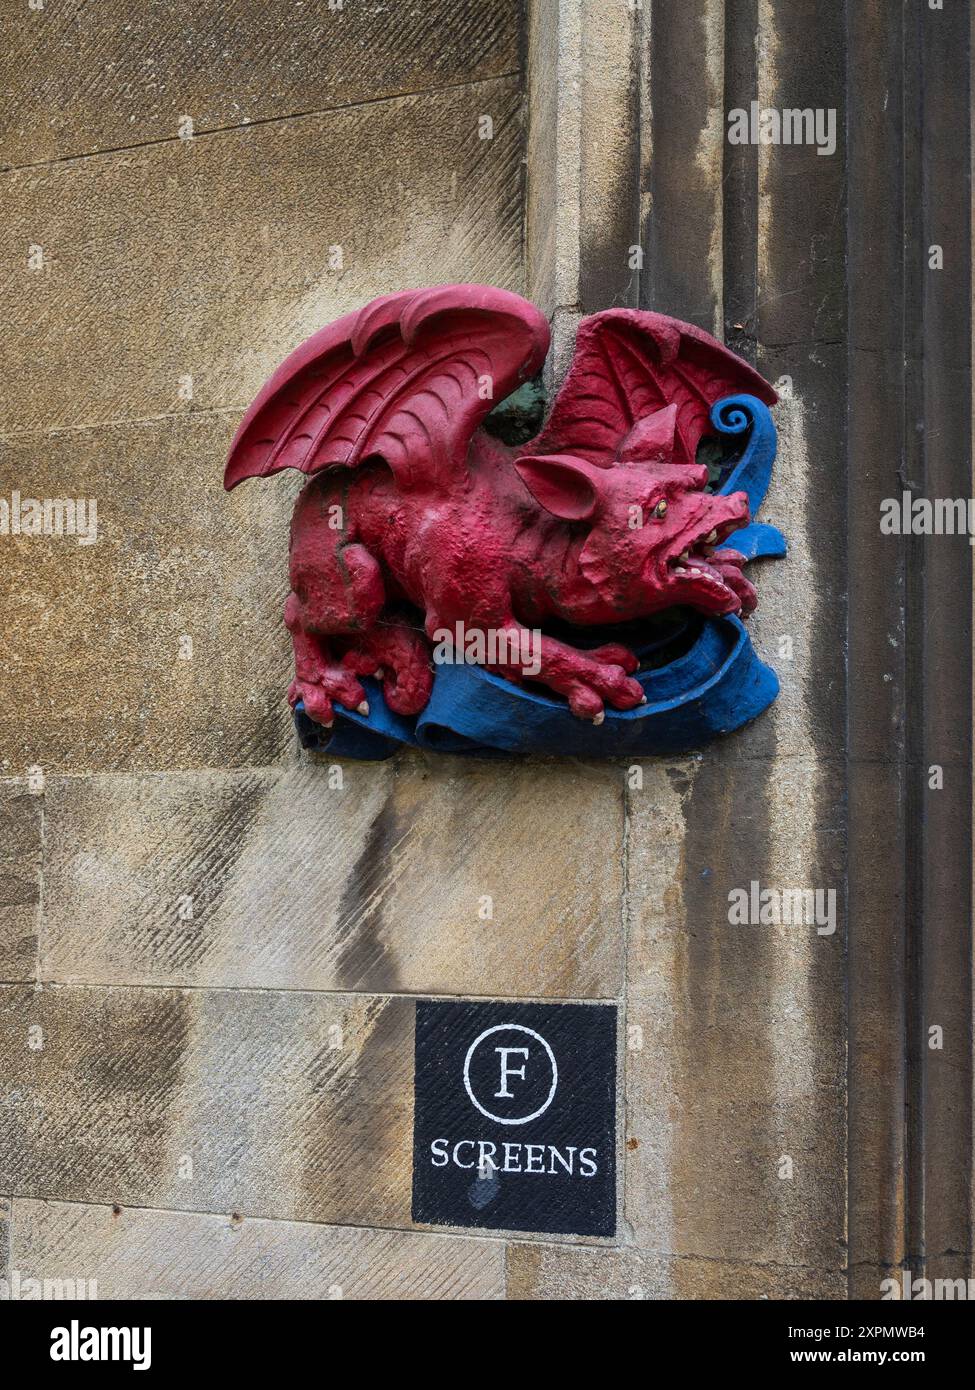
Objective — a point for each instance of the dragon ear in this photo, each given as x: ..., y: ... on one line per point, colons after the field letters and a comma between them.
x: 651, y: 440
x: 560, y: 483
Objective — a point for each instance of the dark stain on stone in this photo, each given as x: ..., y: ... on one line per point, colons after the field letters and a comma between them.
x: 20, y: 823
x: 724, y: 984
x: 16, y: 890
x: 679, y: 780
x: 804, y: 304
x: 357, y: 1112
x: 106, y: 1089
x: 679, y: 189
x: 362, y: 956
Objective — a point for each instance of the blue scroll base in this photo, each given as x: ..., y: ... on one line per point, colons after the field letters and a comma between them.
x: 713, y: 684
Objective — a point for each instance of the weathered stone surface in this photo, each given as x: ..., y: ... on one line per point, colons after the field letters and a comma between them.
x: 609, y: 150
x: 100, y: 673
x: 210, y: 259
x: 96, y: 77
x: 563, y: 1272
x: 20, y: 880
x: 864, y: 1282
x: 803, y: 597
x: 798, y: 626
x: 188, y: 263
x: 735, y: 1043
x: 544, y: 184
x: 878, y: 1019
x: 141, y: 1254
x: 382, y: 884
x: 736, y: 1048
x: 4, y: 1237
x: 685, y: 179
x: 583, y: 148
x: 256, y: 1102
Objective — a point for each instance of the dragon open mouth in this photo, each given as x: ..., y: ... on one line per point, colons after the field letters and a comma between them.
x: 713, y: 576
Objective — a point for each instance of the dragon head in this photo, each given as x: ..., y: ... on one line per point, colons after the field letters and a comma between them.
x: 655, y: 534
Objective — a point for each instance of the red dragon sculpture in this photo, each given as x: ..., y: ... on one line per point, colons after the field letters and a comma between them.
x: 601, y: 519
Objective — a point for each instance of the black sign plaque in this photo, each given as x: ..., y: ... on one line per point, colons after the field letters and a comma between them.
x: 515, y: 1117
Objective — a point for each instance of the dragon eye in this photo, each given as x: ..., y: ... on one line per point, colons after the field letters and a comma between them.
x: 660, y: 509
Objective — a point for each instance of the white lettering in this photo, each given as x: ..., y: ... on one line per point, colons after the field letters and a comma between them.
x: 507, y: 1071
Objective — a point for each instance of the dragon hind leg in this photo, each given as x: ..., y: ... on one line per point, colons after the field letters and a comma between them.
x: 399, y: 655
x: 337, y: 594
x: 326, y: 669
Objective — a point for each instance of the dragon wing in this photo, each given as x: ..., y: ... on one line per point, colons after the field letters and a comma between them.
x: 626, y: 366
x: 408, y: 378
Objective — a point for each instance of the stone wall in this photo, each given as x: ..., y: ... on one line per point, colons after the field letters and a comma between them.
x: 209, y: 950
